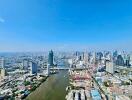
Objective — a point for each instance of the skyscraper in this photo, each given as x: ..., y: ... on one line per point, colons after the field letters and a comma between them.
x: 50, y: 58
x: 127, y: 61
x: 2, y: 63
x: 48, y: 70
x: 3, y: 73
x: 109, y: 66
x: 25, y: 64
x: 99, y: 55
x: 86, y: 57
x: 131, y: 59
x: 115, y: 54
x: 120, y: 61
x: 33, y: 67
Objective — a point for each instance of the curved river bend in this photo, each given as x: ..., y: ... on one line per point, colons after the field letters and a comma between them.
x: 54, y: 88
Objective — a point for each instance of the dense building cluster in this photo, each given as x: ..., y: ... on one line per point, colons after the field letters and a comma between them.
x: 110, y: 72
x: 92, y: 75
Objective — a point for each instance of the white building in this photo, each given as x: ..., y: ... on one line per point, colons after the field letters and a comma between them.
x: 48, y: 69
x: 2, y: 73
x: 93, y: 57
x: 2, y: 63
x: 70, y: 61
x: 110, y: 67
x: 86, y: 57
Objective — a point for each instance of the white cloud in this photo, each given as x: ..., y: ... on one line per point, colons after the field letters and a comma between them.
x: 2, y: 20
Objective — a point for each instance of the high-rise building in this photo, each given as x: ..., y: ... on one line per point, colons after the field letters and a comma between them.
x: 94, y: 57
x: 127, y: 63
x: 110, y: 66
x: 2, y: 66
x: 25, y: 64
x: 80, y: 58
x: 99, y: 55
x: 2, y: 73
x: 33, y: 67
x: 48, y: 70
x: 51, y: 58
x: 115, y: 54
x: 86, y: 57
x: 127, y: 60
x: 120, y: 61
x: 130, y: 59
x: 83, y: 55
x: 2, y: 63
x: 76, y: 53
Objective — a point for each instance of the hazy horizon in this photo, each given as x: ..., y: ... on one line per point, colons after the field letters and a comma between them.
x: 65, y: 25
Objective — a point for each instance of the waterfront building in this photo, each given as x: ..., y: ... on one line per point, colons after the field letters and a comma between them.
x: 48, y: 70
x: 33, y: 67
x: 51, y: 58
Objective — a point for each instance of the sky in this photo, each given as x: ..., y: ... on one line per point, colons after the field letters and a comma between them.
x: 38, y: 25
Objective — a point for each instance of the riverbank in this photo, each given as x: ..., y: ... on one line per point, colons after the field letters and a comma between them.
x: 30, y: 86
x: 54, y: 88
x: 22, y: 87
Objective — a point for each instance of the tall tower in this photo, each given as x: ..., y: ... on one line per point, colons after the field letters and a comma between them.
x: 48, y: 70
x: 130, y: 60
x: 3, y: 73
x: 2, y: 63
x: 33, y: 67
x: 120, y: 60
x: 50, y: 58
x: 86, y: 57
x: 94, y: 57
x: 110, y: 66
x: 25, y: 64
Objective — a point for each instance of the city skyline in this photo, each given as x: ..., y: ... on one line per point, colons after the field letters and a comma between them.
x: 65, y: 25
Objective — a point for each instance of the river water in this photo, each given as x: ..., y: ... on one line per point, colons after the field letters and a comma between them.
x: 54, y: 88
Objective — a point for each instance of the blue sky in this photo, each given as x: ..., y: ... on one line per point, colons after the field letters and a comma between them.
x: 37, y: 25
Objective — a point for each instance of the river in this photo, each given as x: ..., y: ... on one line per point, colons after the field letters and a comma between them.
x: 54, y: 88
